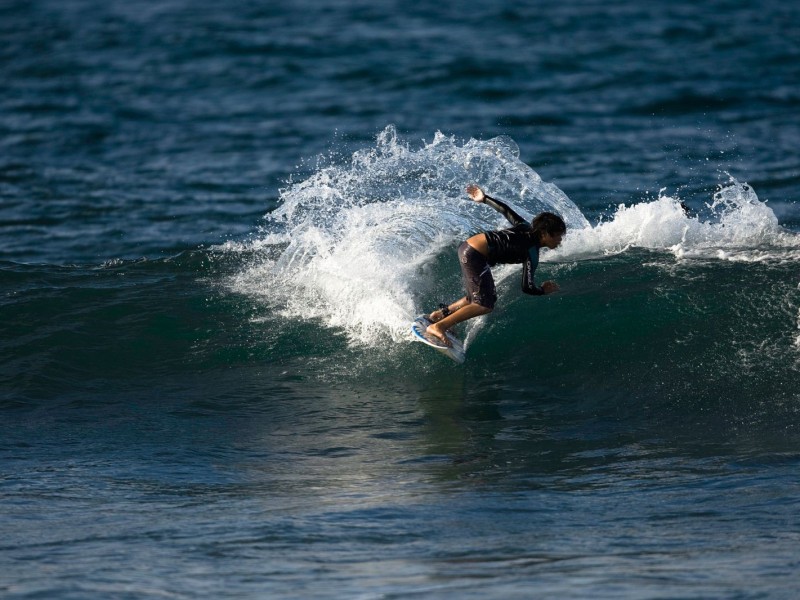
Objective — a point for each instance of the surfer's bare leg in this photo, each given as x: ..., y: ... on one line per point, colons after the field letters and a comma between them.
x: 468, y: 311
x: 438, y: 315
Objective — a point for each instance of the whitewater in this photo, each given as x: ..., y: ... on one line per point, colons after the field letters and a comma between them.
x: 363, y: 246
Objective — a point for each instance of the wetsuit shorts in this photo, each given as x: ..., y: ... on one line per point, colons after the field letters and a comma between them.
x: 478, y: 279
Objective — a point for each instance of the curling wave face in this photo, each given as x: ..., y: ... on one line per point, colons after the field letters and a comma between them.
x: 367, y: 245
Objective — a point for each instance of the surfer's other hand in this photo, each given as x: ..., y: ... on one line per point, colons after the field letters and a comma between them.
x: 550, y: 287
x: 475, y: 193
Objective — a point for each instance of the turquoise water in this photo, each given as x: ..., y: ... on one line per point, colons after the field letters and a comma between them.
x: 217, y: 225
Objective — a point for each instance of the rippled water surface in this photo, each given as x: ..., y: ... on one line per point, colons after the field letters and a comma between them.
x: 217, y: 221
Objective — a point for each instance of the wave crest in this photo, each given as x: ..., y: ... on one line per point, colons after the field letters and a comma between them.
x: 352, y: 243
x: 736, y: 226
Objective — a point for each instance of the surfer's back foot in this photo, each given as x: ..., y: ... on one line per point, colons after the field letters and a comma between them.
x: 438, y: 334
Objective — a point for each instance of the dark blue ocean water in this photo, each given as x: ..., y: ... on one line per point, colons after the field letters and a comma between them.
x: 218, y: 218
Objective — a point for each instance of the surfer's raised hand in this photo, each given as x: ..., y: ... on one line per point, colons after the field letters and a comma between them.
x: 475, y: 193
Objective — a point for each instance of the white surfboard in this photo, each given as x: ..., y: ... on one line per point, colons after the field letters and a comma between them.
x: 454, y: 351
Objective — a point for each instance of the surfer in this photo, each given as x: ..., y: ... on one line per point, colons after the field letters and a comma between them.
x: 520, y: 243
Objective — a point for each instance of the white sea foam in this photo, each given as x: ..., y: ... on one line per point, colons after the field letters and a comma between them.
x: 353, y: 245
x: 737, y: 227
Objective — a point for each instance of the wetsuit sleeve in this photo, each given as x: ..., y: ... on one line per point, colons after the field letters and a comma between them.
x: 528, y: 270
x: 505, y: 210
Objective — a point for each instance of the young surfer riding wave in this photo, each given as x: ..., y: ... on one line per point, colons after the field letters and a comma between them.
x: 520, y: 243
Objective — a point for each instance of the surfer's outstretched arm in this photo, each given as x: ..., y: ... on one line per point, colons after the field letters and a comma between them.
x: 477, y: 195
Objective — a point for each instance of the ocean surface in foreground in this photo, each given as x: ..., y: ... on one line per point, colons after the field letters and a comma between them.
x: 217, y: 225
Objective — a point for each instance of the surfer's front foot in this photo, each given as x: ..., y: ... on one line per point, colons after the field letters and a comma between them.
x: 438, y: 334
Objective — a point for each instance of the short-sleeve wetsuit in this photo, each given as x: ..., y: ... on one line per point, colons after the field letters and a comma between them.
x: 517, y: 244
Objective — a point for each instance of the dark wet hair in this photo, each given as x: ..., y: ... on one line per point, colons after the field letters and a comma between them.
x: 548, y: 222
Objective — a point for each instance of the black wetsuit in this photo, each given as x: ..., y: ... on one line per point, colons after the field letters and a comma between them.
x: 517, y: 244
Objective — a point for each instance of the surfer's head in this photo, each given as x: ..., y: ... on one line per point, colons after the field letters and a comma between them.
x: 549, y: 229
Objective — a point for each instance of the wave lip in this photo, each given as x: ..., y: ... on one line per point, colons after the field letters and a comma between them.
x: 736, y: 226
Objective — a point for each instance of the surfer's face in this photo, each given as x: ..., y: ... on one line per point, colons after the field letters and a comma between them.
x: 552, y: 240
